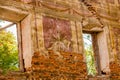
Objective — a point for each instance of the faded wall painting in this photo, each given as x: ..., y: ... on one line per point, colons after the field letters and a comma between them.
x: 57, y: 34
x: 110, y: 1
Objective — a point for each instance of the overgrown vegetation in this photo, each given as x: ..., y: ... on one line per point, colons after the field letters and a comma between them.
x: 8, y: 52
x: 89, y: 54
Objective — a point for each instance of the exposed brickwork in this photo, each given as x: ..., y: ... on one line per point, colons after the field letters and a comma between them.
x: 52, y: 67
x: 102, y: 77
x: 14, y: 76
x: 70, y: 67
x: 115, y: 71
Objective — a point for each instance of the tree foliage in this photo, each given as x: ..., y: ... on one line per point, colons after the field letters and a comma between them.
x: 90, y: 61
x: 89, y: 54
x: 8, y: 51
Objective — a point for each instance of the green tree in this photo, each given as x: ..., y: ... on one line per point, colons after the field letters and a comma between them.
x: 89, y: 54
x: 90, y: 61
x: 8, y: 51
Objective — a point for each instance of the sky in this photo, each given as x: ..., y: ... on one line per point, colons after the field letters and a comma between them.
x: 12, y: 29
x: 87, y: 38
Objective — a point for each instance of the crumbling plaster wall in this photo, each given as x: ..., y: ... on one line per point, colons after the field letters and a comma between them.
x: 37, y: 31
x: 115, y: 55
x: 101, y: 20
x: 79, y: 14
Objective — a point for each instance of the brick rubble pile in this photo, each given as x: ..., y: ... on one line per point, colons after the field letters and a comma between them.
x: 115, y: 70
x: 70, y: 67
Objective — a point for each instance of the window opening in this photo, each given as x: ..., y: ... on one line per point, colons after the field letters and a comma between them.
x: 9, y: 60
x: 89, y: 53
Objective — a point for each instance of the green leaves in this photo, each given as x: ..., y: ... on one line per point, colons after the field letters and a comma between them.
x: 89, y: 54
x: 8, y: 51
x: 90, y: 61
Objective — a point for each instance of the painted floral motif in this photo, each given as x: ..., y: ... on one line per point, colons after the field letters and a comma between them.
x: 57, y: 34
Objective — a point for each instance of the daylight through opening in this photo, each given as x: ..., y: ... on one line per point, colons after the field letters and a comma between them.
x: 89, y: 53
x: 9, y: 60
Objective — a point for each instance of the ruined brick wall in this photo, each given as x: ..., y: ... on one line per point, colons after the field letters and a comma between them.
x: 69, y: 67
x: 115, y: 54
x: 115, y: 71
x: 103, y: 77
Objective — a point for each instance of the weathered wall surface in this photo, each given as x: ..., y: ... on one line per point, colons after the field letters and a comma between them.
x: 103, y: 49
x: 68, y: 67
x: 69, y: 17
x: 103, y: 77
x: 115, y: 53
x: 56, y: 30
x: 115, y: 70
x: 53, y: 67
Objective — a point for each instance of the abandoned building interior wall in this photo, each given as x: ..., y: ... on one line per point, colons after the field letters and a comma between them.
x: 26, y: 40
x: 50, y: 36
x: 103, y: 50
